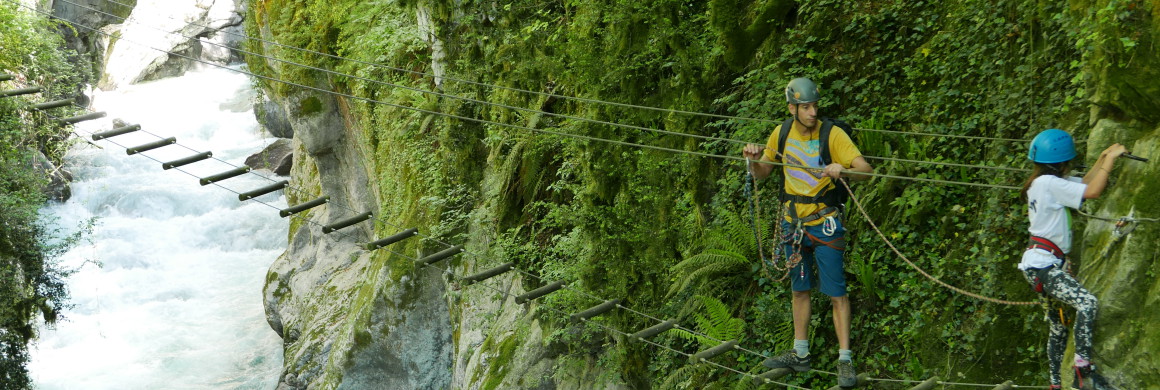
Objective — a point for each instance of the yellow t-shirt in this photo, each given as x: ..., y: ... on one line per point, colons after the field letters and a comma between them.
x: 802, y: 151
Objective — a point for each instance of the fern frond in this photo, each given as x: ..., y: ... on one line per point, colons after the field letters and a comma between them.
x: 686, y: 377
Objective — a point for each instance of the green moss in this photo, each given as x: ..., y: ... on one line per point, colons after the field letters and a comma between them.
x: 310, y: 106
x: 499, y: 365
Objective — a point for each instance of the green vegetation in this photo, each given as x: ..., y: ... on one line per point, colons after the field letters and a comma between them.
x: 31, y: 281
x: 668, y: 232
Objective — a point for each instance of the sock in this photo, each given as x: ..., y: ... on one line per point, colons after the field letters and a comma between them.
x: 1080, y: 362
x: 802, y: 347
x: 845, y: 354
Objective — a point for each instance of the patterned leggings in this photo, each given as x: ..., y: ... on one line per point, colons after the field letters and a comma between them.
x: 1064, y: 288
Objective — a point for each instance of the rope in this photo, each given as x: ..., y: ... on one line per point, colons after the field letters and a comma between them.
x: 920, y: 270
x: 618, y: 142
x: 506, y: 294
x: 528, y: 110
x: 518, y: 127
x: 554, y: 95
x: 1120, y: 219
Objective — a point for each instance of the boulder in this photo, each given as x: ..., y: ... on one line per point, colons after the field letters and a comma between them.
x: 161, y: 39
x: 57, y: 188
x: 278, y: 158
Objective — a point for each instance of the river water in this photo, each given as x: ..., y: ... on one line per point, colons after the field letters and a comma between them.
x: 176, y: 301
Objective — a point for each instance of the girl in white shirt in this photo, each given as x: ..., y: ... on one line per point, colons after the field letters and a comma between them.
x: 1049, y: 196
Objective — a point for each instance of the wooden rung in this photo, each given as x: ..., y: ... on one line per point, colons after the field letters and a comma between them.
x: 927, y: 384
x: 82, y: 118
x: 150, y: 146
x: 298, y: 208
x: 116, y: 132
x: 432, y: 259
x: 712, y: 352
x: 53, y: 104
x: 595, y: 310
x: 263, y: 191
x: 21, y: 91
x: 539, y: 292
x: 400, y: 236
x: 654, y: 330
x: 224, y: 175
x: 186, y: 161
x: 771, y: 375
x: 473, y: 279
x: 331, y: 228
x: 1005, y: 386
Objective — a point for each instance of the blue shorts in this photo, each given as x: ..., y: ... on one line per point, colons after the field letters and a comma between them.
x: 830, y: 276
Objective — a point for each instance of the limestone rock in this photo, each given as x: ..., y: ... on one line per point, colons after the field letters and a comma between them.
x: 278, y: 158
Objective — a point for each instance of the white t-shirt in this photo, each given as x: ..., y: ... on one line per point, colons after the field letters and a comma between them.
x: 1047, y: 203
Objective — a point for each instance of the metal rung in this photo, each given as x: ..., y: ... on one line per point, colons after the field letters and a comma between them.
x: 21, y: 91
x: 861, y: 381
x: 186, y: 161
x: 771, y: 375
x: 1005, y: 386
x: 150, y: 146
x: 595, y: 310
x: 655, y: 330
x: 927, y: 384
x: 711, y: 352
x: 224, y: 175
x: 539, y: 292
x: 286, y: 212
x: 346, y: 222
x: 263, y: 191
x: 116, y: 132
x: 473, y: 279
x: 52, y: 104
x: 455, y: 250
x: 5, y: 77
x: 393, y: 239
x: 82, y: 118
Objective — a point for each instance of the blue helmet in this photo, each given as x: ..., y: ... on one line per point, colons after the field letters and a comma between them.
x: 1052, y: 146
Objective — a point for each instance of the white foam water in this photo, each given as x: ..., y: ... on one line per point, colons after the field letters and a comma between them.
x: 176, y: 302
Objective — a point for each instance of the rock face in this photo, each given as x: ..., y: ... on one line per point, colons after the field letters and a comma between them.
x: 273, y: 118
x: 347, y: 320
x: 163, y: 38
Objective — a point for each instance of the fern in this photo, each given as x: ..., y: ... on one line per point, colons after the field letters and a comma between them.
x: 728, y: 252
x: 715, y: 320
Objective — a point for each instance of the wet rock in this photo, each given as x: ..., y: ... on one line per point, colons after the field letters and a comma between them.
x: 57, y: 188
x: 278, y: 158
x: 273, y: 118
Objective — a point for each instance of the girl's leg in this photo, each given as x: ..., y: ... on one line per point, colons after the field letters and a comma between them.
x: 1062, y: 286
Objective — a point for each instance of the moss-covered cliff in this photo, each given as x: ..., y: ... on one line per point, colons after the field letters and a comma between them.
x: 614, y: 220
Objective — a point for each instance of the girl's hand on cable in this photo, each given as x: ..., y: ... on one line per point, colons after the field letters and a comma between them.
x: 1114, y: 151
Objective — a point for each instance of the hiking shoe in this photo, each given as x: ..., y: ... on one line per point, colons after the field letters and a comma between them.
x: 788, y: 359
x: 1086, y: 378
x: 847, y: 378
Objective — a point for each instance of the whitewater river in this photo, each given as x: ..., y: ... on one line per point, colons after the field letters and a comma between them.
x: 176, y: 301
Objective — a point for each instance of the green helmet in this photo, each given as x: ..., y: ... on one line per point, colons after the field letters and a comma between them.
x: 802, y: 90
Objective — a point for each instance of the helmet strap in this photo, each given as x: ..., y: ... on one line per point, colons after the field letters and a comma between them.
x: 796, y: 107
